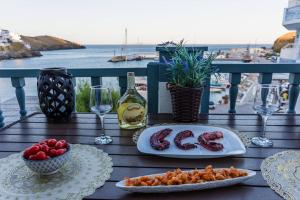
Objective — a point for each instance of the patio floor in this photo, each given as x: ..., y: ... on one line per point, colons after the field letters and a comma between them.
x: 10, y: 108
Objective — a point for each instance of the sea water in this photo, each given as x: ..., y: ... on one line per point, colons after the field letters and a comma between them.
x: 94, y: 56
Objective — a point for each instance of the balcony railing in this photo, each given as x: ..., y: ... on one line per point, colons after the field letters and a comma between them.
x: 156, y: 72
x: 235, y: 70
x: 18, y: 76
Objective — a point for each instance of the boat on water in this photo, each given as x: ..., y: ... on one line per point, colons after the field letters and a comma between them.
x: 247, y: 58
x: 118, y: 59
x: 121, y: 58
x: 134, y: 57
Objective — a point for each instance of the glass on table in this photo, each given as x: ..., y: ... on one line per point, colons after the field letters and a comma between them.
x: 101, y: 104
x: 266, y: 103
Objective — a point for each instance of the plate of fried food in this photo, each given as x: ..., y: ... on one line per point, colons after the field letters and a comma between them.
x: 181, y: 181
x: 190, y: 141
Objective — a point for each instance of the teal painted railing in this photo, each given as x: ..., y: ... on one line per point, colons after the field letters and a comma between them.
x: 18, y: 76
x: 156, y: 72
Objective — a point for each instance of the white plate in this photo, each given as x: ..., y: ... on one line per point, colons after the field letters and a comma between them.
x: 185, y: 187
x: 231, y: 142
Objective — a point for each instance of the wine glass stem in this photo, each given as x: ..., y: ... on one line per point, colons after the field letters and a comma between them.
x: 265, y: 119
x: 102, y: 124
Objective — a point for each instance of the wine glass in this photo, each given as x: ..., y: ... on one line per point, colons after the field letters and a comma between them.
x: 101, y: 104
x: 266, y: 103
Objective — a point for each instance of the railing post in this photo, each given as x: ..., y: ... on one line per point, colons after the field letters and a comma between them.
x: 19, y: 83
x: 294, y: 89
x: 74, y: 85
x: 1, y: 118
x: 153, y: 87
x: 123, y: 84
x: 204, y: 109
x: 265, y: 78
x: 235, y: 80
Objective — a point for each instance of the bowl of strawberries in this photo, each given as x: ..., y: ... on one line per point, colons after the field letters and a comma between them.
x: 47, y: 156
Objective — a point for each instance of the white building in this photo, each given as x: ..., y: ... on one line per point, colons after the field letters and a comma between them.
x: 291, y: 21
x: 7, y: 37
x: 15, y: 37
x: 4, y: 36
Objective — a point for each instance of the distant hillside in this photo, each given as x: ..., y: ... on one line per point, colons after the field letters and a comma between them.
x: 284, y: 40
x: 46, y: 43
x: 17, y: 50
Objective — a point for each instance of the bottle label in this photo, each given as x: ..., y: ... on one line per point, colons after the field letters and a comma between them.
x: 134, y: 114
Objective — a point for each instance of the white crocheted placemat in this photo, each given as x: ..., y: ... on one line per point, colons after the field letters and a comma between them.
x: 87, y: 170
x: 282, y: 173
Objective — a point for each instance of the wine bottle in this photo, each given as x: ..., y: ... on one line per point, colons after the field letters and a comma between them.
x: 132, y: 107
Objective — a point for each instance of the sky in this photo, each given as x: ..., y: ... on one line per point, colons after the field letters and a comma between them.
x: 147, y: 21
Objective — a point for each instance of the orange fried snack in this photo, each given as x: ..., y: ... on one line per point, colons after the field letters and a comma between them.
x: 179, y: 177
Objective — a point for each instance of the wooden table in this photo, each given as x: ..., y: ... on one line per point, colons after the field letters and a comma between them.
x: 129, y: 162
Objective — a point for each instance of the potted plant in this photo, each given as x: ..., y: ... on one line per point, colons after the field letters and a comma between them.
x: 188, y: 72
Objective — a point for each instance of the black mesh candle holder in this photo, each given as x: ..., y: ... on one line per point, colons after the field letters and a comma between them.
x: 56, y: 93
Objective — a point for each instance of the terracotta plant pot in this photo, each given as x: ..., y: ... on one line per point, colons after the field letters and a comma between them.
x: 185, y: 103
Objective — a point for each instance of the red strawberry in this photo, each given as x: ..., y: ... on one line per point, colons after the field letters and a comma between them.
x: 59, y: 145
x: 34, y: 149
x: 32, y: 157
x: 41, y: 155
x: 64, y: 142
x: 27, y: 153
x: 60, y: 152
x: 43, y: 142
x: 45, y: 148
x: 38, y: 145
x: 51, y: 142
x: 52, y: 153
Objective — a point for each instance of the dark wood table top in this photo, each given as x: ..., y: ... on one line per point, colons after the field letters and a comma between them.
x: 283, y: 129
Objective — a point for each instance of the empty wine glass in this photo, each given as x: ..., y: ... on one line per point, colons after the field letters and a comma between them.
x: 266, y: 103
x: 101, y: 104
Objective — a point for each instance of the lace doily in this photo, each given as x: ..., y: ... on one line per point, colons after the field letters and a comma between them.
x: 244, y: 137
x: 87, y: 170
x: 282, y: 173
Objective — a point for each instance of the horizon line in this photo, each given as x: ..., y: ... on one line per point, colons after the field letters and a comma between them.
x: 186, y: 44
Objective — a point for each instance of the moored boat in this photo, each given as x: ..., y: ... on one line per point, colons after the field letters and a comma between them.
x: 118, y: 59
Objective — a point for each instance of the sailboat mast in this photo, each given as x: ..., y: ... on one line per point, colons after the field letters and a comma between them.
x: 126, y: 36
x: 125, y: 45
